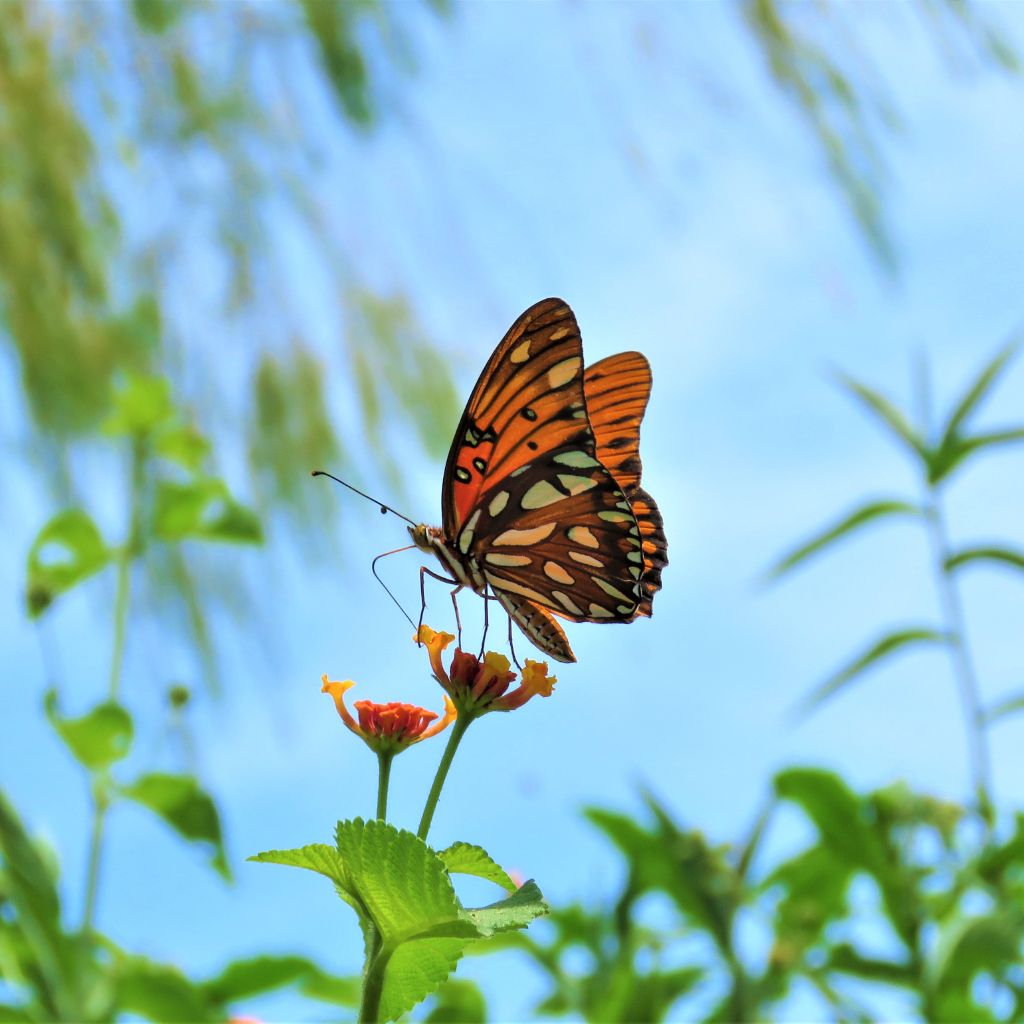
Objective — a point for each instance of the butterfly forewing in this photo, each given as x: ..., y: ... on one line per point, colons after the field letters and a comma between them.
x: 528, y: 401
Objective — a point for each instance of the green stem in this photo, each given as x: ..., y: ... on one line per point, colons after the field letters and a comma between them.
x: 124, y: 564
x: 383, y: 778
x: 963, y: 663
x: 373, y: 985
x: 92, y: 877
x: 461, y: 725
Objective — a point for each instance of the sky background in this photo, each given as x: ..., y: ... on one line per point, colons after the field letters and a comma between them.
x: 540, y: 153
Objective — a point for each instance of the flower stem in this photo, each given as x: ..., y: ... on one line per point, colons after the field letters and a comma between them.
x: 383, y: 777
x: 92, y: 877
x: 461, y: 725
x: 373, y: 985
x: 963, y: 664
x: 124, y: 565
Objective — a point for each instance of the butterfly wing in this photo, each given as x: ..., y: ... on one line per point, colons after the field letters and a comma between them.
x: 617, y: 390
x: 527, y: 497
x: 529, y: 397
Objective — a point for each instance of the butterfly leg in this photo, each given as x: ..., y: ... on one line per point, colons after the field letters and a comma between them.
x: 511, y: 646
x: 424, y: 571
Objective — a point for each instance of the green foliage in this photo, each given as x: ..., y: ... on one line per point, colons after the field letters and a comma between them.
x: 465, y: 859
x: 67, y: 550
x: 415, y: 928
x: 183, y: 804
x: 98, y: 738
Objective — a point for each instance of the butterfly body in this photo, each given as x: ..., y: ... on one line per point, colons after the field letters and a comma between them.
x: 541, y: 503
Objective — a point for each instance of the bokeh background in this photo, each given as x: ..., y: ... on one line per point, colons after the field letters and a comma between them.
x: 314, y: 221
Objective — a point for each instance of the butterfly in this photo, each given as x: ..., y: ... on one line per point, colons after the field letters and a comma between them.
x: 542, y: 507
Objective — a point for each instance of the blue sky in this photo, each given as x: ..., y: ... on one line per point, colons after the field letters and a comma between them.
x: 545, y: 157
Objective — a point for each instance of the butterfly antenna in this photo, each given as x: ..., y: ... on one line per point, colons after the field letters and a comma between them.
x: 373, y: 568
x: 383, y: 508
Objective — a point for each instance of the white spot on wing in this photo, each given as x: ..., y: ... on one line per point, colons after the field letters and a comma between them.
x: 466, y: 534
x: 498, y: 503
x: 566, y: 602
x: 495, y: 558
x: 555, y: 572
x: 576, y: 460
x: 563, y: 372
x: 581, y: 535
x: 521, y: 352
x: 578, y: 556
x: 521, y: 537
x: 541, y: 494
x: 597, y: 612
x: 499, y: 583
x: 576, y: 484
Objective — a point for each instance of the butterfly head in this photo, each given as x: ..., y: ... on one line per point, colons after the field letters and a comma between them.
x: 423, y: 536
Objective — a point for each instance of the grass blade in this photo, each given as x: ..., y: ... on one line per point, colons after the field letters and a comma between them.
x: 977, y: 391
x: 1006, y: 707
x: 860, y: 516
x: 955, y: 450
x: 888, y: 645
x: 891, y: 417
x: 1000, y: 556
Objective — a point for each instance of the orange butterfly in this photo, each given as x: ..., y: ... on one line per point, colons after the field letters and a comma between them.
x: 542, y: 506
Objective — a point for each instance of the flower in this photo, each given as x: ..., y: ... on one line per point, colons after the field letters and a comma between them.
x: 477, y: 686
x: 388, y: 728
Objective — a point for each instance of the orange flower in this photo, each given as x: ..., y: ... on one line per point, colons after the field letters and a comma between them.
x: 388, y: 728
x: 479, y: 686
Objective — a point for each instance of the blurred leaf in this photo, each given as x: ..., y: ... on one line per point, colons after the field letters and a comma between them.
x: 161, y: 993
x: 67, y: 550
x: 887, y: 414
x: 202, y: 509
x: 973, y: 946
x: 945, y: 460
x: 976, y: 393
x: 1001, y: 556
x: 1009, y: 706
x: 141, y: 406
x: 881, y: 649
x: 158, y: 15
x: 846, y: 959
x: 184, y: 805
x: 98, y: 738
x: 465, y: 859
x: 183, y: 445
x: 333, y: 25
x: 458, y: 1002
x: 244, y: 979
x: 860, y: 516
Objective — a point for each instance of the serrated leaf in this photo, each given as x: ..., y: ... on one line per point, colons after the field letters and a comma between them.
x: 466, y: 859
x: 997, y: 555
x: 977, y: 392
x: 515, y: 911
x: 67, y: 550
x: 202, y: 509
x: 98, y: 738
x: 860, y: 516
x: 458, y: 1002
x: 881, y: 649
x: 140, y: 406
x: 416, y: 969
x: 1009, y: 706
x: 886, y: 413
x: 184, y: 805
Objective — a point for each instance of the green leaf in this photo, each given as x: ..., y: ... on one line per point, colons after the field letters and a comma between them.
x: 184, y: 805
x: 98, y: 738
x: 846, y: 959
x: 30, y: 890
x: 515, y: 911
x: 465, y: 859
x: 142, y: 405
x: 860, y: 516
x: 161, y: 993
x: 458, y: 1002
x: 974, y: 945
x: 1009, y: 706
x: 202, y: 509
x: 244, y: 979
x: 947, y: 458
x: 886, y: 413
x: 67, y: 550
x: 183, y: 445
x: 1000, y: 556
x: 881, y: 649
x: 976, y: 393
